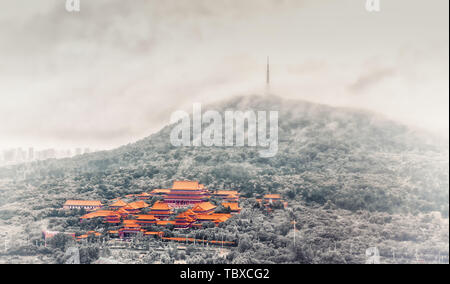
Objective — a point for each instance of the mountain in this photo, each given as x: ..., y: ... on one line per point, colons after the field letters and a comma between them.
x: 348, y: 158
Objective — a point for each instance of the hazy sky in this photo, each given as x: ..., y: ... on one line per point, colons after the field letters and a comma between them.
x: 113, y: 73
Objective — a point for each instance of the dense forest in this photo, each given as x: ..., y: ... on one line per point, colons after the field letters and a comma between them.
x: 352, y: 179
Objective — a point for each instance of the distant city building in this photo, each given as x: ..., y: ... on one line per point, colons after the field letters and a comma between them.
x: 9, y: 155
x: 30, y: 154
x: 18, y: 155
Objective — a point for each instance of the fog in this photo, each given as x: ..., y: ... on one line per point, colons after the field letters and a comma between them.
x: 114, y: 72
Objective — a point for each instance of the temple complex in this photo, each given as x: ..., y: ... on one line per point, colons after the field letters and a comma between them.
x: 133, y: 216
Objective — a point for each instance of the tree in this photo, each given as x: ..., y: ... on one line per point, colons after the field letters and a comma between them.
x: 89, y: 254
x: 60, y: 241
x: 244, y: 244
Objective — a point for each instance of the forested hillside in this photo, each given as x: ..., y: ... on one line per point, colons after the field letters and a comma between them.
x: 355, y: 160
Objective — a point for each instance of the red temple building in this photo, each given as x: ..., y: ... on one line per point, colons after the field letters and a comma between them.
x: 185, y: 193
x: 227, y: 195
x: 234, y: 206
x: 204, y: 208
x: 113, y: 234
x: 270, y: 198
x: 143, y: 196
x: 88, y: 205
x: 130, y: 229
x: 123, y: 212
x: 185, y: 219
x: 135, y: 207
x: 165, y: 222
x: 216, y: 218
x: 118, y: 204
x: 146, y: 220
x: 161, y: 210
x: 107, y: 216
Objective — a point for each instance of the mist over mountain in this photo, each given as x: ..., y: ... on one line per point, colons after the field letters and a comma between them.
x: 347, y: 158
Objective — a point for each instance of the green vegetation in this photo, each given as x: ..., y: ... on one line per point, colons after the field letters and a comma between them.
x: 351, y: 179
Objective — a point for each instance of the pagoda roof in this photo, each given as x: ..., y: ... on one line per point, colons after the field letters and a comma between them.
x: 145, y: 217
x: 119, y: 203
x: 187, y: 185
x: 83, y: 203
x: 204, y: 206
x: 137, y: 205
x: 231, y: 205
x: 216, y: 217
x: 159, y: 205
x: 130, y: 223
x: 100, y: 213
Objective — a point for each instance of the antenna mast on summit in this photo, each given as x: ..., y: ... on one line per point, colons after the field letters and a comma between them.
x: 268, y: 76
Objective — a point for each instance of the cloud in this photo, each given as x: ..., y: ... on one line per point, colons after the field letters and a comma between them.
x: 371, y: 78
x: 114, y: 72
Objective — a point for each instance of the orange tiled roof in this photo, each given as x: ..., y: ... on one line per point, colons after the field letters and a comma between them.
x: 122, y: 210
x: 137, y: 205
x: 159, y: 205
x: 204, y: 206
x: 178, y: 239
x: 220, y: 242
x: 187, y: 185
x: 130, y: 223
x: 145, y: 217
x: 119, y: 203
x: 226, y: 192
x: 128, y: 207
x: 100, y: 213
x: 272, y: 196
x: 214, y: 217
x: 233, y: 205
x: 154, y: 233
x: 83, y: 203
x: 187, y: 215
x: 189, y: 212
x: 155, y: 191
x: 222, y: 218
x: 164, y: 222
